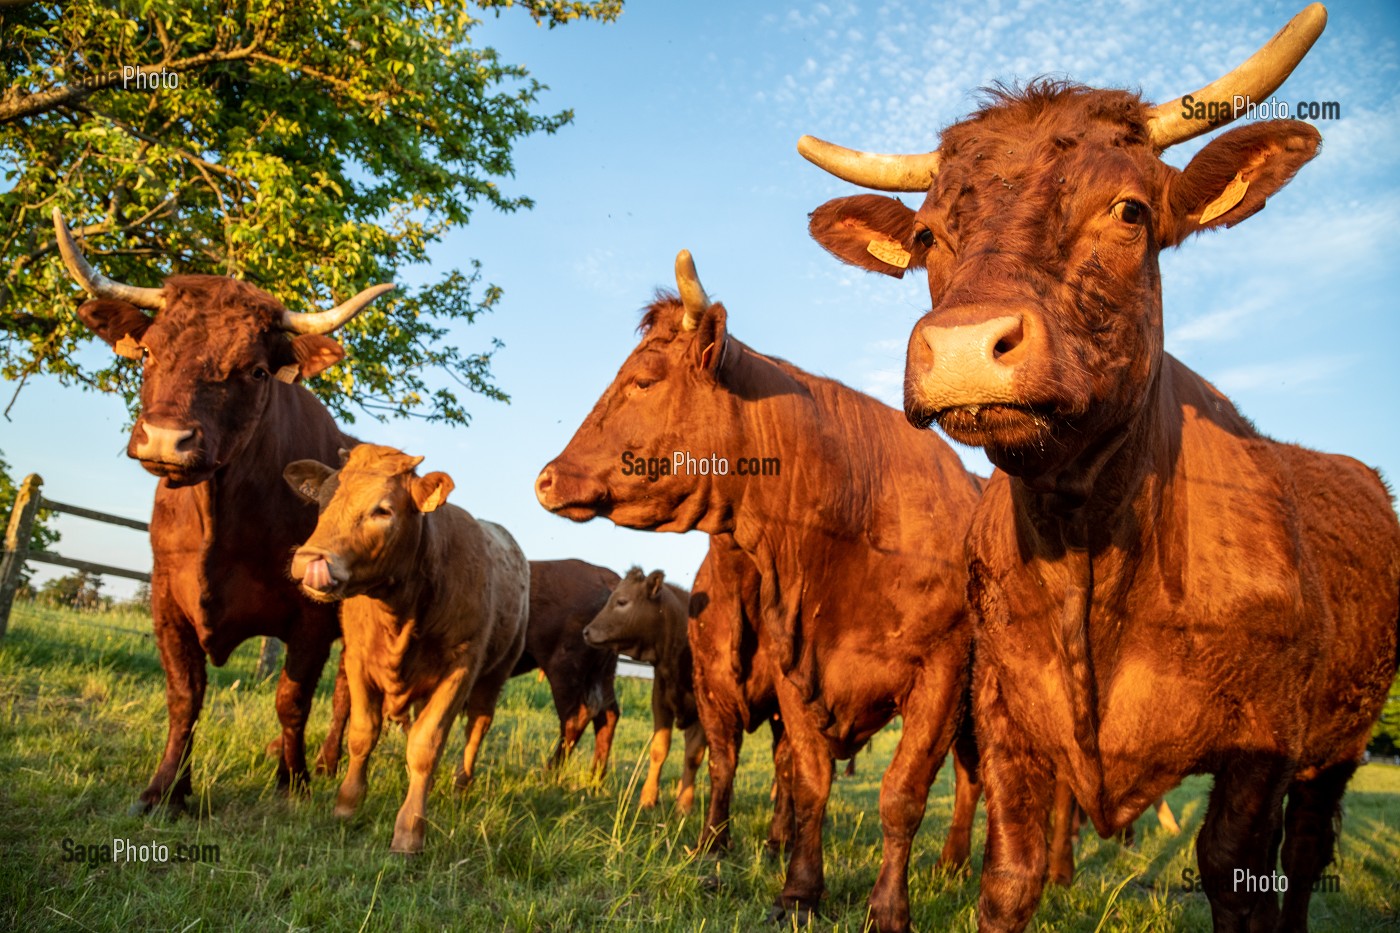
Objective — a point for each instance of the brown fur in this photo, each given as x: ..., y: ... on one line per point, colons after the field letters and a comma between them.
x: 223, y: 524
x: 857, y: 543
x: 1160, y: 590
x: 734, y: 686
x: 565, y: 595
x: 434, y: 613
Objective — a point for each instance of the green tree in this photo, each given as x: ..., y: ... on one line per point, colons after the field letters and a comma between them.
x: 309, y: 148
x: 80, y: 590
x: 1385, y: 734
x: 42, y: 536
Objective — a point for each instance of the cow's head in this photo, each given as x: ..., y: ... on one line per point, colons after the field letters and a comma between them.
x: 370, y: 523
x: 632, y: 621
x: 211, y: 358
x: 1040, y: 230
x: 668, y: 396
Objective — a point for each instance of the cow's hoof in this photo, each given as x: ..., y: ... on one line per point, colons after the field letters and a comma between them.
x: 145, y: 805
x: 407, y: 846
x: 326, y: 768
x: 774, y: 848
x: 800, y: 914
x: 462, y: 782
x: 711, y: 883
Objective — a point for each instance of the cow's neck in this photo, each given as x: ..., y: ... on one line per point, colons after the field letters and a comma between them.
x: 1092, y: 522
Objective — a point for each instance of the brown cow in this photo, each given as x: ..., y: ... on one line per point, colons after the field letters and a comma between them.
x: 1160, y: 589
x: 734, y: 686
x: 858, y: 551
x: 565, y: 595
x: 434, y: 614
x: 645, y: 618
x: 220, y: 415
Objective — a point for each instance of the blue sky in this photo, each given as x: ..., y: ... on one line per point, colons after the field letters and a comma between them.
x: 687, y: 116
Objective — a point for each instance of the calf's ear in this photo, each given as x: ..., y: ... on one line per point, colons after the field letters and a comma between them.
x: 710, y: 338
x: 120, y: 324
x: 1232, y: 177
x: 306, y: 477
x: 872, y: 231
x: 430, y: 491
x: 654, y: 581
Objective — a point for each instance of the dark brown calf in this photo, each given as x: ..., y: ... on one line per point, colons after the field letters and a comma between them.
x: 221, y: 414
x: 1160, y: 590
x: 565, y: 595
x: 434, y: 613
x: 645, y: 618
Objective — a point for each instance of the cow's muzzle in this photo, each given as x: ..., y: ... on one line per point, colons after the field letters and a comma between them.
x: 165, y: 450
x: 321, y: 576
x: 570, y: 494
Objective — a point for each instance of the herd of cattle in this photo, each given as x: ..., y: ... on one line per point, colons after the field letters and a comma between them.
x: 1145, y: 589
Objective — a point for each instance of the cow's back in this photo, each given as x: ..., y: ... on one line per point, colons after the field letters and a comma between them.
x: 565, y: 595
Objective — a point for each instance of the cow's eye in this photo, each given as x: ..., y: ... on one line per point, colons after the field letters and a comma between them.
x: 925, y: 237
x: 643, y: 382
x: 1130, y: 211
x: 623, y: 603
x: 381, y: 511
x: 260, y: 373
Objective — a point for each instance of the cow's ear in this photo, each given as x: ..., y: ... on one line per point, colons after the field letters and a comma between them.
x: 711, y: 337
x: 306, y: 477
x: 115, y: 322
x: 654, y: 581
x: 872, y: 231
x: 315, y: 353
x: 430, y: 491
x: 1232, y: 177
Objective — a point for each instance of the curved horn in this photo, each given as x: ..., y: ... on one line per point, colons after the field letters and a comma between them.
x: 871, y: 170
x: 692, y: 293
x: 323, y: 322
x: 95, y: 283
x: 1257, y: 78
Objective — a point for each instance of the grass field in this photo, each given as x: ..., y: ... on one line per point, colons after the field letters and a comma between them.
x: 82, y: 718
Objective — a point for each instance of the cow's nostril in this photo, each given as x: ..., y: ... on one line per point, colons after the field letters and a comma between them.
x: 1009, y: 341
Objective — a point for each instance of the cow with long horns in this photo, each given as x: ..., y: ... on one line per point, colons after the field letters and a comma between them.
x: 221, y: 413
x: 1160, y: 590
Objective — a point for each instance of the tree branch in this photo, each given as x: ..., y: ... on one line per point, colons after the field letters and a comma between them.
x: 15, y: 104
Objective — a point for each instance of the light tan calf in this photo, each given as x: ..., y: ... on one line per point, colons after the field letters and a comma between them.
x: 434, y: 615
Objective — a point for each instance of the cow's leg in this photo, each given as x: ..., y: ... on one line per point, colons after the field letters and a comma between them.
x: 660, y: 748
x: 185, y: 680
x: 811, y: 787
x: 967, y: 790
x: 481, y: 711
x: 307, y: 650
x: 1238, y: 843
x: 1064, y: 831
x: 725, y: 734
x: 661, y: 721
x: 571, y: 729
x: 366, y: 718
x: 1165, y: 816
x: 329, y: 759
x: 426, y: 739
x: 1018, y: 784
x: 604, y: 726
x: 1310, y: 836
x: 931, y: 722
x: 781, y: 827
x: 694, y: 754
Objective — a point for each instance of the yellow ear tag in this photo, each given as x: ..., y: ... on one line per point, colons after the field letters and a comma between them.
x: 1232, y: 195
x: 288, y: 374
x: 889, y: 252
x: 128, y: 348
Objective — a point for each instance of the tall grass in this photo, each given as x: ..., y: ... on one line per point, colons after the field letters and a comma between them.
x: 82, y: 719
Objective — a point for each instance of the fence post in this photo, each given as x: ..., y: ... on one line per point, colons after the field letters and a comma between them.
x: 268, y: 656
x: 17, y: 543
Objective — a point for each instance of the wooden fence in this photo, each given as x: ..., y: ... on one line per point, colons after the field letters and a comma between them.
x: 17, y: 554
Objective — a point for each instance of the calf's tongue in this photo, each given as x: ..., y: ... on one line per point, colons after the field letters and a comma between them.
x: 317, y: 575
